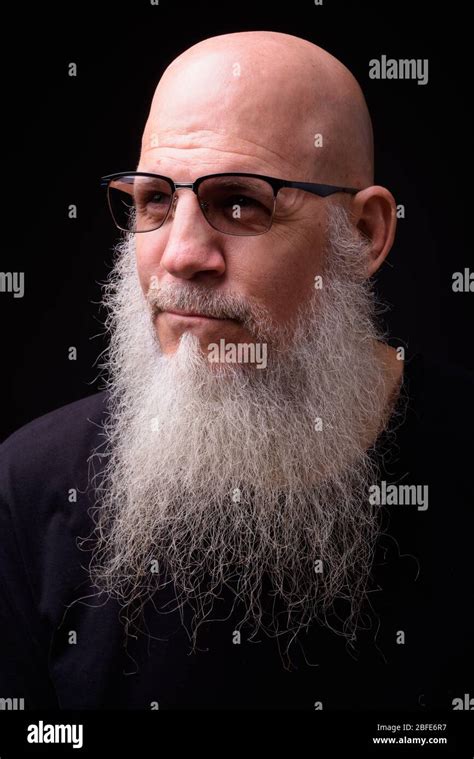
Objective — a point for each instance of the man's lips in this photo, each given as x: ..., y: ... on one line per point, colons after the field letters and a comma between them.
x: 178, y: 312
x: 191, y: 315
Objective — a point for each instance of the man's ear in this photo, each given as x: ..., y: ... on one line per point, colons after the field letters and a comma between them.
x: 374, y: 212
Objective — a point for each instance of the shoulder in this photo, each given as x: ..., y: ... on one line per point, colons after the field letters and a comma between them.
x: 54, y: 444
x: 58, y: 426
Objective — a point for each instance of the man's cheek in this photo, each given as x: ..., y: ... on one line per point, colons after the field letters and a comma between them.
x: 147, y: 277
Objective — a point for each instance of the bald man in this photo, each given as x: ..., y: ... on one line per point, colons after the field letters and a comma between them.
x: 209, y: 529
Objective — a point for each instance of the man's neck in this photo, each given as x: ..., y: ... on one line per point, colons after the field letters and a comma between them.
x: 392, y: 367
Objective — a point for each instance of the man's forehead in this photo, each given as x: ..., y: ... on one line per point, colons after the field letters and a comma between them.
x: 204, y: 112
x: 209, y: 150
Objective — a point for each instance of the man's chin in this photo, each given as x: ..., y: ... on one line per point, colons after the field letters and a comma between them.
x: 220, y: 343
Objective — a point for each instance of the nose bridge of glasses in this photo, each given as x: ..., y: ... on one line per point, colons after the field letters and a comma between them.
x: 183, y: 186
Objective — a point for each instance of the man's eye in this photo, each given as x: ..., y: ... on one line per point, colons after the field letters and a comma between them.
x: 156, y: 198
x: 241, y: 200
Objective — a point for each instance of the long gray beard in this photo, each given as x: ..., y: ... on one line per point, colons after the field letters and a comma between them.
x: 225, y: 479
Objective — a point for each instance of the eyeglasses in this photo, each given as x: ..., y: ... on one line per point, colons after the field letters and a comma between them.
x: 233, y: 203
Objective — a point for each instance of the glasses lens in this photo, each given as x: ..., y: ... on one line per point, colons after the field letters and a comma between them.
x: 237, y: 205
x: 139, y: 204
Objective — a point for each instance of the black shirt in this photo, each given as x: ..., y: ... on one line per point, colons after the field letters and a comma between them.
x: 60, y: 654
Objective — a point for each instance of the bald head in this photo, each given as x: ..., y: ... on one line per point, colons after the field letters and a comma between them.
x: 258, y: 100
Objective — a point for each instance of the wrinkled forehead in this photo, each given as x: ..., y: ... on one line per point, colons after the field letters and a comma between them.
x: 229, y: 103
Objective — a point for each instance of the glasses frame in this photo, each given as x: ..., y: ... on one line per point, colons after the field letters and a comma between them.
x: 322, y: 190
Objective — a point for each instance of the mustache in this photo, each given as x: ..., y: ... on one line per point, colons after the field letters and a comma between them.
x: 253, y: 316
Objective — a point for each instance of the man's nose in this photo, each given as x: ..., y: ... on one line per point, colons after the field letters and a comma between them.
x: 193, y: 247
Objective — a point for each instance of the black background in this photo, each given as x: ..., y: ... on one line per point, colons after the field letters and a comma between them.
x: 66, y: 132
